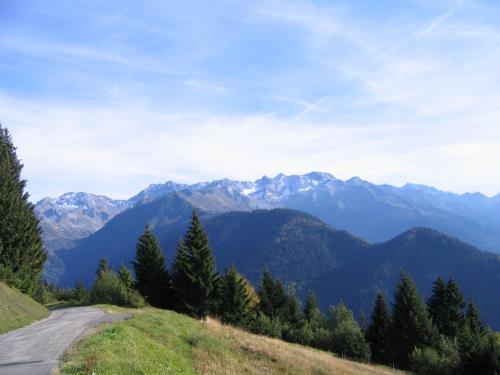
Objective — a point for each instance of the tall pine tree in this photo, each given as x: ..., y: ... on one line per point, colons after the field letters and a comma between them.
x: 273, y: 300
x: 379, y: 330
x: 312, y: 312
x: 195, y: 278
x: 22, y: 255
x: 437, y: 305
x: 235, y: 305
x: 411, y: 326
x: 456, y: 305
x: 151, y: 276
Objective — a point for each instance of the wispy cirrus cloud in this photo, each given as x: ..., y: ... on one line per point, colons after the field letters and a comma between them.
x: 109, y: 98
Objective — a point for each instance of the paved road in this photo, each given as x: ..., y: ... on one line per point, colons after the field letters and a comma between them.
x: 37, y: 348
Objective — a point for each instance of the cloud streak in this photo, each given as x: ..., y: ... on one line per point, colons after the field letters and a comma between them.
x: 172, y: 91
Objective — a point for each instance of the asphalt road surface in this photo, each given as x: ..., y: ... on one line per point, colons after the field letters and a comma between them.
x: 37, y: 348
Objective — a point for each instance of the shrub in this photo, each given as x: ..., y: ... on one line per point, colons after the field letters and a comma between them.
x: 443, y: 360
x: 264, y: 325
x: 109, y: 289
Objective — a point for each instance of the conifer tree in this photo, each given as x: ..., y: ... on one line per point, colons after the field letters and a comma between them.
x: 102, y: 267
x: 472, y: 318
x: 151, y: 276
x: 294, y: 314
x: 81, y: 294
x: 347, y: 338
x: 179, y: 278
x: 126, y: 277
x: 455, y: 306
x: 437, y: 305
x: 312, y: 312
x: 411, y: 326
x: 195, y: 267
x: 22, y: 255
x: 379, y: 331
x: 235, y: 303
x: 273, y: 300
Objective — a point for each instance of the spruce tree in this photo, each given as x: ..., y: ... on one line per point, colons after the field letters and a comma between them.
x: 294, y: 315
x: 151, y: 276
x: 196, y: 269
x: 411, y: 326
x: 312, y: 312
x: 455, y: 306
x: 126, y: 277
x: 273, y: 300
x: 102, y: 267
x: 22, y: 254
x: 379, y: 331
x: 472, y: 318
x: 180, y: 283
x: 235, y: 303
x: 437, y: 304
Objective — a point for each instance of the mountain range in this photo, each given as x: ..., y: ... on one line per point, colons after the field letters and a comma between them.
x: 374, y: 212
x: 344, y: 239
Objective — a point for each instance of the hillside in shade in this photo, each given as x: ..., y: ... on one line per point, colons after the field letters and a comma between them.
x: 301, y: 250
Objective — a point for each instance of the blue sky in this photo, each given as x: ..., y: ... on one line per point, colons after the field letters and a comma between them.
x: 110, y: 96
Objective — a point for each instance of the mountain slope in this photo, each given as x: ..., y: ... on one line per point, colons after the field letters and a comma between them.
x: 17, y: 309
x: 374, y: 212
x: 178, y: 344
x: 301, y: 250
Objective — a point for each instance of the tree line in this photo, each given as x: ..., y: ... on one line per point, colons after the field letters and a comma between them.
x: 443, y: 336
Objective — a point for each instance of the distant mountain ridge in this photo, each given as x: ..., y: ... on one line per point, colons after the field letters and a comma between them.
x: 299, y: 249
x: 374, y: 212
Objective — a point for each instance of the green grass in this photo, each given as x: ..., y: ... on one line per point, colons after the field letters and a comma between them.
x: 17, y: 309
x: 163, y: 342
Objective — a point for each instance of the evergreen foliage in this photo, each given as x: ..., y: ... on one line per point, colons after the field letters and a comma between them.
x: 235, y: 305
x: 472, y: 318
x: 378, y: 333
x: 347, y: 338
x: 81, y: 295
x: 102, y: 267
x: 22, y: 255
x: 437, y: 305
x: 312, y: 312
x: 273, y: 300
x: 151, y: 276
x: 126, y: 277
x: 455, y: 307
x: 195, y: 275
x: 411, y: 326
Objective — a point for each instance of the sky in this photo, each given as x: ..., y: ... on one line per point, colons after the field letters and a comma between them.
x: 110, y: 96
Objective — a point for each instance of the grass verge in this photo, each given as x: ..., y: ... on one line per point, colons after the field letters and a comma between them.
x: 163, y: 342
x: 18, y: 309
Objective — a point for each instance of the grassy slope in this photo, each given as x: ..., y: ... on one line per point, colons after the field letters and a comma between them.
x: 163, y: 342
x: 17, y: 309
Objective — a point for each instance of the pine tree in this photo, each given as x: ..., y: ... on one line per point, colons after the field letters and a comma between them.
x: 455, y: 306
x: 472, y: 318
x: 294, y: 315
x: 180, y: 283
x: 273, y: 300
x: 22, y: 255
x: 411, y: 326
x: 102, y: 267
x: 195, y: 266
x: 312, y: 312
x: 80, y: 293
x: 151, y: 276
x: 379, y: 331
x: 437, y: 305
x: 126, y: 277
x: 347, y: 338
x: 235, y: 303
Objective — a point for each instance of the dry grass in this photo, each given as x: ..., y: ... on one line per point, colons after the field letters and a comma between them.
x: 160, y: 342
x: 253, y: 354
